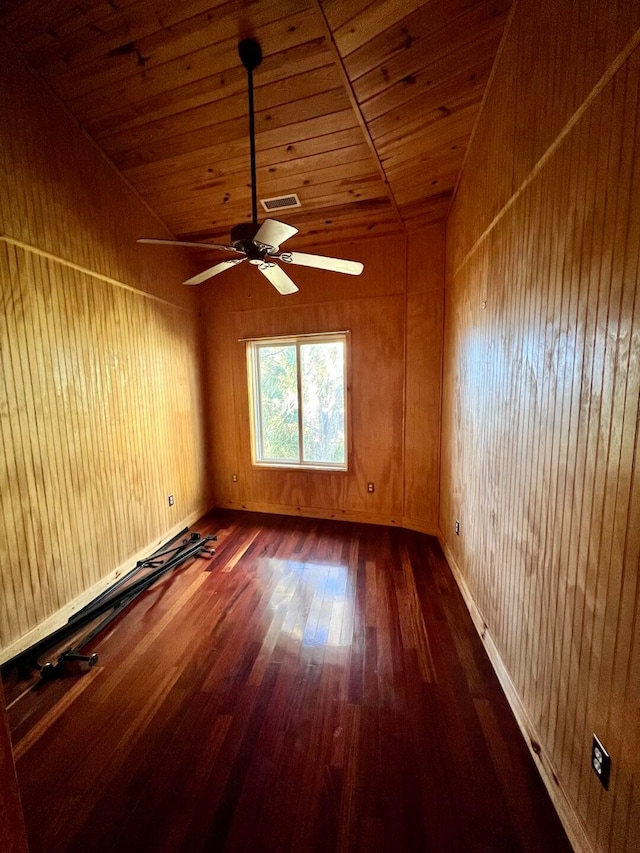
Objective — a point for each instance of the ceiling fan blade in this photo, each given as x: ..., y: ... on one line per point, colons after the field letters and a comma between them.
x: 273, y: 233
x: 321, y: 262
x: 278, y: 278
x: 156, y: 241
x: 203, y: 276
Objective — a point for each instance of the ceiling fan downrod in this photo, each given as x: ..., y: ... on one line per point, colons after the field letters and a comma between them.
x: 260, y: 244
x: 251, y: 56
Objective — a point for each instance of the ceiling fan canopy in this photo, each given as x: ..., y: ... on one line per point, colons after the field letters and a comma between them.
x: 259, y: 244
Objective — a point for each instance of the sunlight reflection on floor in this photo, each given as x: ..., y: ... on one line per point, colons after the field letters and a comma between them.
x: 319, y: 601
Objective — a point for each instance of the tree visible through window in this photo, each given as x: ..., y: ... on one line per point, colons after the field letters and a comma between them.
x: 297, y: 388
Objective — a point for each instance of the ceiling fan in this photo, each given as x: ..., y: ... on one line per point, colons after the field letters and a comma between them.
x: 260, y: 244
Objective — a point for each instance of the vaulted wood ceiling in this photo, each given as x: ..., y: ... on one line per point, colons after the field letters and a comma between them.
x: 362, y: 108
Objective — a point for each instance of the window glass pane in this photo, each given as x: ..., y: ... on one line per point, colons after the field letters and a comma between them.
x: 322, y: 379
x: 278, y: 401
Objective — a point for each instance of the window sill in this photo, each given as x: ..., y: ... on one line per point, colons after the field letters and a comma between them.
x: 283, y: 466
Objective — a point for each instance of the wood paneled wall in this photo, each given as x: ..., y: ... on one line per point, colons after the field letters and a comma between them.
x: 540, y: 397
x: 100, y: 397
x: 424, y: 310
x: 60, y: 194
x: 394, y: 315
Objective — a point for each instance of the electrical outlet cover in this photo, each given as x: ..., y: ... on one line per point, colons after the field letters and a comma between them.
x: 601, y: 762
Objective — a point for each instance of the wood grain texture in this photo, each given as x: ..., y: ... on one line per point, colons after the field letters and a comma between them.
x: 100, y: 398
x: 163, y: 93
x: 315, y: 686
x: 161, y: 90
x: 404, y: 465
x: 12, y: 831
x: 562, y: 70
x: 418, y: 72
x: 60, y: 195
x: 541, y: 390
x: 423, y: 379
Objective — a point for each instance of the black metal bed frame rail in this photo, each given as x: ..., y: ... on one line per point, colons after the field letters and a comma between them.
x: 109, y: 604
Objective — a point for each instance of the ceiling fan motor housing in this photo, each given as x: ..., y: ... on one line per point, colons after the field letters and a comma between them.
x: 242, y: 239
x: 250, y: 53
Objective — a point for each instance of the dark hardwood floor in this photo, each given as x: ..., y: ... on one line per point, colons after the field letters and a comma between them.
x: 315, y: 686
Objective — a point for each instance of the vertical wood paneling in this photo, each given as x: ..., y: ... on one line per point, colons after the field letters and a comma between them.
x: 541, y: 391
x: 61, y: 195
x: 99, y: 410
x: 100, y: 413
x: 561, y: 71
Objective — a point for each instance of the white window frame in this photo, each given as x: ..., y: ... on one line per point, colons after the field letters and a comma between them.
x: 253, y: 376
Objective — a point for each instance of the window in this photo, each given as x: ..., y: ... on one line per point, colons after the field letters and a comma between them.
x: 298, y: 402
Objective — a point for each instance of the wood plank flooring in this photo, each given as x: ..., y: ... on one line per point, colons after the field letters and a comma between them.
x: 315, y: 686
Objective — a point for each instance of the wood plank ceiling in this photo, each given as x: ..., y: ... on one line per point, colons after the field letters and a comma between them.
x: 362, y: 108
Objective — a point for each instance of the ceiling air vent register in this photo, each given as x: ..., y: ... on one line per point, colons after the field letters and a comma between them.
x: 281, y: 202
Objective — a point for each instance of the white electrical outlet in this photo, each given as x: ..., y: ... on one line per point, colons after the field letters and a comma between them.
x: 601, y: 762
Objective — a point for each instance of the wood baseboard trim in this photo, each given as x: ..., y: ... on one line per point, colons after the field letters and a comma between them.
x: 60, y: 617
x: 571, y: 822
x: 314, y: 512
x: 345, y: 515
x: 421, y: 527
